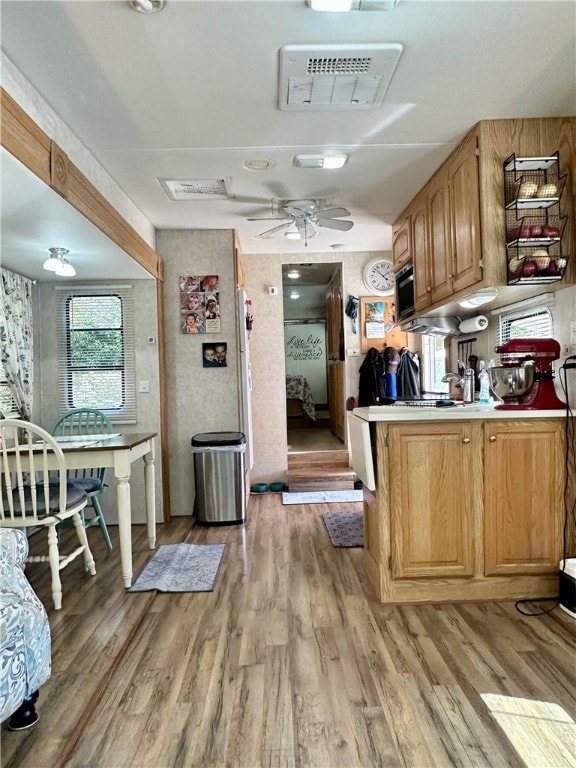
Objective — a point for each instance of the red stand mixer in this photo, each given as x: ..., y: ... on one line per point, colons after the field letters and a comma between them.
x: 525, y: 380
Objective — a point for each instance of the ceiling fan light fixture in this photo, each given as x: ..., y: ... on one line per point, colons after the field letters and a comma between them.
x: 292, y: 236
x: 147, y: 6
x: 58, y: 263
x: 330, y: 161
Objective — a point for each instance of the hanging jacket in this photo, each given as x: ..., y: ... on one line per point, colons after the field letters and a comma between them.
x: 371, y: 387
x: 408, y: 375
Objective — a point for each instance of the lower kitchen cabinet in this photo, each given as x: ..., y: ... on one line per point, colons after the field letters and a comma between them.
x: 432, y: 499
x: 522, y: 497
x: 466, y: 510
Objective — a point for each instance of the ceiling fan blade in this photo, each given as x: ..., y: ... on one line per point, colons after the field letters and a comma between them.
x: 331, y: 213
x: 270, y: 232
x: 343, y: 226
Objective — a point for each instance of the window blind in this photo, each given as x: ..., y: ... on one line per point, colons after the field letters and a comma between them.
x: 534, y: 323
x: 96, y: 355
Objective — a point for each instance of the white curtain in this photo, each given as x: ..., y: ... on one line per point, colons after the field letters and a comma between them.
x: 16, y: 338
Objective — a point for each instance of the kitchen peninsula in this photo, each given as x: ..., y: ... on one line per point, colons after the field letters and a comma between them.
x: 460, y: 503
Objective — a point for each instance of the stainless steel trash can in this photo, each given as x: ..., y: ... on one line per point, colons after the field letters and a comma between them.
x: 219, y: 477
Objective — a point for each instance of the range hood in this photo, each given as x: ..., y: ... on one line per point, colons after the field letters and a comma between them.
x: 432, y: 326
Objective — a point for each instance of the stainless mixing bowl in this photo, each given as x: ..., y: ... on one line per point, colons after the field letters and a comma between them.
x: 511, y: 383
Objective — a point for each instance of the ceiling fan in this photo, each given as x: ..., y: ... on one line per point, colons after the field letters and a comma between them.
x: 306, y: 215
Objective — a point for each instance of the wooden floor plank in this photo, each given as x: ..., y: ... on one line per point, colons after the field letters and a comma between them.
x: 290, y: 663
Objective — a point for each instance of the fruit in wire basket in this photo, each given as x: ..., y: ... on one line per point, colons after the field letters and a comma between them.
x: 514, y: 264
x: 548, y: 230
x: 528, y: 268
x: 541, y: 257
x: 547, y: 190
x: 527, y: 189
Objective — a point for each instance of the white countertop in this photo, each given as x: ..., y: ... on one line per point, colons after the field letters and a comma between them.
x: 454, y: 413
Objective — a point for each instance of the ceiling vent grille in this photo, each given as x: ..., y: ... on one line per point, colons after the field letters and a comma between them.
x: 196, y: 189
x: 336, y: 77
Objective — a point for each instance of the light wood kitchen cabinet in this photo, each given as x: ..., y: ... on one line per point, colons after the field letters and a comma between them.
x: 466, y: 195
x: 522, y: 497
x: 432, y: 505
x: 464, y: 192
x: 401, y: 242
x: 440, y: 256
x: 420, y: 254
x: 465, y: 510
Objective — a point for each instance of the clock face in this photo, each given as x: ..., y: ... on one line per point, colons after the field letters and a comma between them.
x: 379, y: 277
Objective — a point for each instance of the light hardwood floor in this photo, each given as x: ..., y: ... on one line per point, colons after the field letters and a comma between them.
x: 289, y: 662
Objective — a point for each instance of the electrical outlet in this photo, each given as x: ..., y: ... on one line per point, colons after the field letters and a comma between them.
x: 352, y: 352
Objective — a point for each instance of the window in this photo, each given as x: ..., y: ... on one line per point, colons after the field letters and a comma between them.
x: 96, y: 352
x: 528, y: 319
x: 8, y: 405
x: 434, y: 365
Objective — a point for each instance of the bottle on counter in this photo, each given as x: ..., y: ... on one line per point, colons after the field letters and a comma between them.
x: 484, y: 387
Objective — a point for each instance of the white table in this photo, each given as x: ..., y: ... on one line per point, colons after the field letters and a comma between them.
x: 120, y: 452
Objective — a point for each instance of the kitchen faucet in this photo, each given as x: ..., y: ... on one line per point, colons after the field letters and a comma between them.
x: 464, y: 379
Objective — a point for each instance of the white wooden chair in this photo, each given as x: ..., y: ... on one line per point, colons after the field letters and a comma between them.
x: 34, y: 493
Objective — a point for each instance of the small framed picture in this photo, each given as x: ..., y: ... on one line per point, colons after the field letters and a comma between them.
x: 214, y: 354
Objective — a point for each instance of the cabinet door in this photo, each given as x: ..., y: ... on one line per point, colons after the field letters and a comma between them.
x: 401, y: 242
x: 420, y: 253
x: 464, y: 187
x: 440, y: 253
x: 523, y: 496
x: 435, y: 487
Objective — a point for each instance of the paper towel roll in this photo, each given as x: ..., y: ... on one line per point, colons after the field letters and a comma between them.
x: 471, y: 324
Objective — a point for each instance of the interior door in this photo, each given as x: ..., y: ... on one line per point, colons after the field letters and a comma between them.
x: 335, y: 354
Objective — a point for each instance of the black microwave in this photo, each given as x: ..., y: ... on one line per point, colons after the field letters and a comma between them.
x: 405, y: 292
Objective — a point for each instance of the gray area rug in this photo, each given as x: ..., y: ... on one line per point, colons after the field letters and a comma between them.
x: 321, y: 497
x: 181, y: 568
x: 346, y: 529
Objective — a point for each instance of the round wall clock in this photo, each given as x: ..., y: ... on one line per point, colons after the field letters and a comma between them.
x: 379, y: 277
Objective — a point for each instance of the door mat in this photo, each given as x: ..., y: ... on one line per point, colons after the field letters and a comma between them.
x: 346, y: 529
x: 321, y: 497
x: 181, y: 568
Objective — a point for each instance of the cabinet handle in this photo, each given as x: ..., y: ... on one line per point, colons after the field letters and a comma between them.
x: 492, y: 438
x: 466, y: 440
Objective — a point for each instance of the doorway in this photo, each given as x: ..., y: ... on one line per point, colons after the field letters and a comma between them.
x: 311, y: 399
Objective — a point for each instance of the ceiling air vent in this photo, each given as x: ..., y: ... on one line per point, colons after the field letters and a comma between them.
x: 196, y: 189
x: 335, y: 77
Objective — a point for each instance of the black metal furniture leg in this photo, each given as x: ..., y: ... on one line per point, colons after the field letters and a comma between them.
x: 26, y: 715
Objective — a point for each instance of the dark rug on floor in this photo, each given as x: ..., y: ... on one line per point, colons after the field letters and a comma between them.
x: 346, y: 529
x: 181, y: 568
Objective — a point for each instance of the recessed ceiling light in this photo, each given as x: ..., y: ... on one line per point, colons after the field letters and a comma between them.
x: 259, y: 164
x: 479, y: 298
x: 294, y: 295
x: 333, y: 6
x: 293, y: 274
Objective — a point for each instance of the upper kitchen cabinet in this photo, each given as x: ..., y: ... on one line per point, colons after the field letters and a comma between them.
x: 464, y: 192
x: 455, y: 228
x: 401, y: 242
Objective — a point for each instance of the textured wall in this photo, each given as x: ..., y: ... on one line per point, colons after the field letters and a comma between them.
x: 199, y: 399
